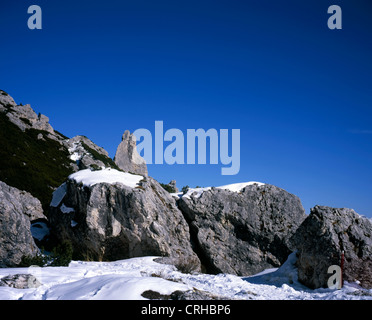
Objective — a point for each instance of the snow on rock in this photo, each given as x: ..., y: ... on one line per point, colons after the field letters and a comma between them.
x: 108, y: 175
x: 234, y: 187
x: 58, y: 195
x: 65, y: 209
x: 237, y: 187
x: 39, y: 230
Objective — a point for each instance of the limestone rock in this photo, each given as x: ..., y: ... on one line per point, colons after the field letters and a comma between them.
x: 20, y: 281
x: 173, y: 185
x: 243, y: 232
x: 114, y: 221
x: 17, y: 208
x: 6, y: 100
x: 322, y: 237
x: 24, y: 117
x: 127, y: 157
x: 87, y: 154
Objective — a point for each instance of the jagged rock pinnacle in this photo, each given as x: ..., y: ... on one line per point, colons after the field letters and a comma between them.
x: 127, y: 158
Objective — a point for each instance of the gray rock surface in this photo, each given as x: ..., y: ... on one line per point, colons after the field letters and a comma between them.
x: 195, y: 294
x: 87, y: 154
x: 20, y: 281
x: 25, y: 117
x: 113, y: 221
x: 322, y: 237
x: 127, y: 157
x: 173, y: 185
x: 17, y: 209
x: 243, y: 232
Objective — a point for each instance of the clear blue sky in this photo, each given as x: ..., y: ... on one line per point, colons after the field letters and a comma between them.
x: 299, y: 92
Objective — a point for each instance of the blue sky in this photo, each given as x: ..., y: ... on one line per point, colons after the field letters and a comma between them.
x: 299, y: 93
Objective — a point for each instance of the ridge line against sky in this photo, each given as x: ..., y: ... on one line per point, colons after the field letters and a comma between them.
x: 298, y: 91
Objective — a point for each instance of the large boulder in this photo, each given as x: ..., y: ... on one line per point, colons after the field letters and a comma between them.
x: 111, y: 221
x: 323, y: 236
x: 242, y: 232
x: 127, y: 158
x: 17, y: 209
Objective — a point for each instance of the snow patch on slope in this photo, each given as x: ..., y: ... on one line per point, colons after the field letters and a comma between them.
x: 58, y: 195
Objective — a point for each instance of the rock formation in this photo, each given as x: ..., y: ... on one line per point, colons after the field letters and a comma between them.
x: 243, y: 232
x: 86, y: 154
x: 24, y: 117
x: 36, y: 158
x: 17, y: 209
x: 322, y: 237
x: 127, y: 157
x: 173, y: 185
x: 20, y: 281
x: 240, y: 233
x: 114, y: 221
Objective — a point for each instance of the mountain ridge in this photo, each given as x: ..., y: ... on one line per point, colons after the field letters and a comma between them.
x: 36, y: 158
x: 238, y: 229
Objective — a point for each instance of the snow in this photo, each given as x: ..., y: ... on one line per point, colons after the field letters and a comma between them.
x: 235, y: 187
x: 39, y: 230
x: 90, y: 178
x: 128, y: 279
x: 58, y: 195
x: 107, y: 175
x: 65, y: 209
x: 74, y: 155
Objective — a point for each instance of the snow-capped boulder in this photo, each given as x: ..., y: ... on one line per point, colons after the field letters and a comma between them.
x: 110, y: 215
x: 323, y: 236
x: 242, y: 229
x: 17, y: 209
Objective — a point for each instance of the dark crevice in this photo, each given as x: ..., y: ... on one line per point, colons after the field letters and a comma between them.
x: 207, y: 265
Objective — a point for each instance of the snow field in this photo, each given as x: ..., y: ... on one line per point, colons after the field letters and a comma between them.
x: 128, y: 279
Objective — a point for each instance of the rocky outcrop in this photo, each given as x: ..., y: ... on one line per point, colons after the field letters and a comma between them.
x: 17, y: 208
x: 322, y: 237
x: 173, y: 184
x: 20, y: 281
x: 114, y: 221
x: 242, y: 232
x: 24, y: 117
x: 127, y: 157
x: 86, y: 154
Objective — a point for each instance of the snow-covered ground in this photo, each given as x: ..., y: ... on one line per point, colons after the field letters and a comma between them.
x: 128, y: 279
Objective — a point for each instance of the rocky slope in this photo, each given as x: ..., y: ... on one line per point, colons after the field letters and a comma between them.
x: 17, y: 209
x: 36, y: 158
x: 239, y: 230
